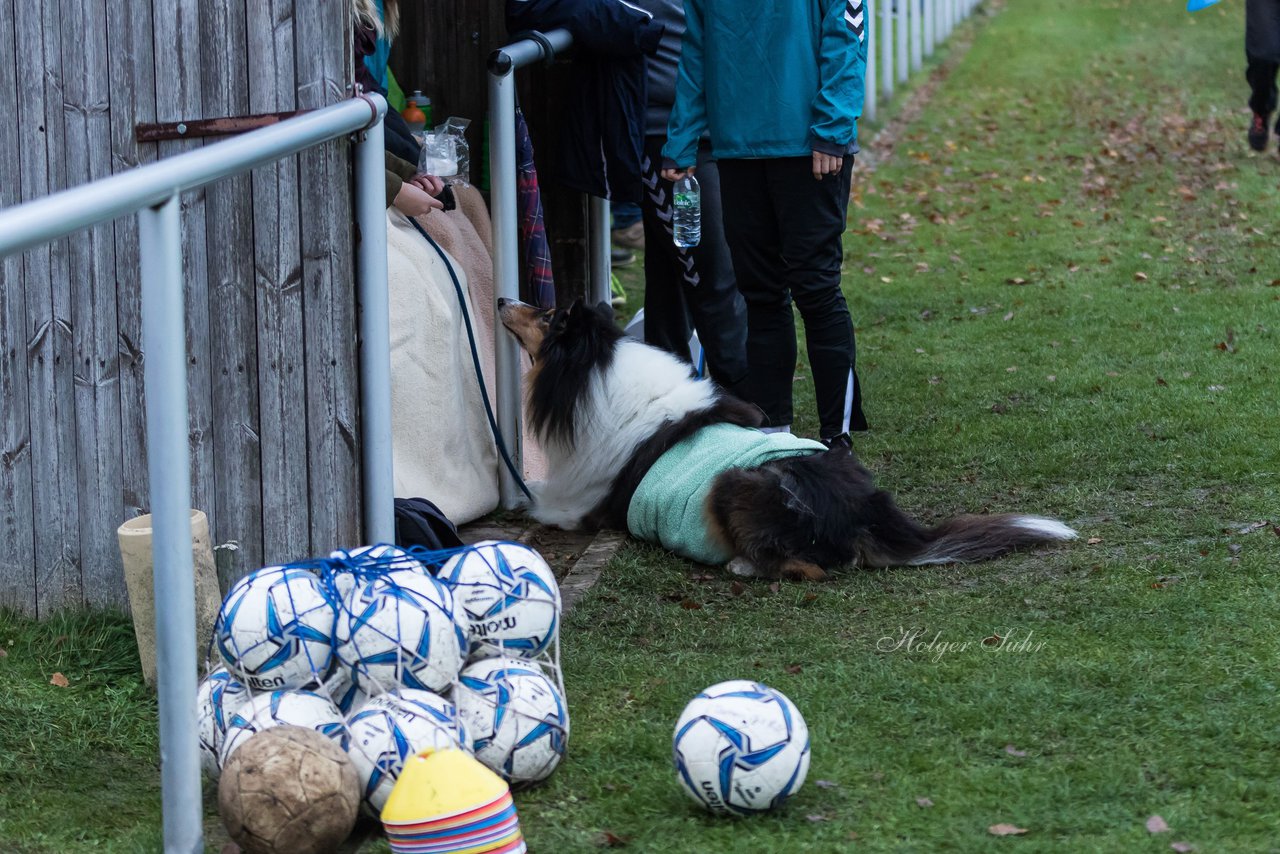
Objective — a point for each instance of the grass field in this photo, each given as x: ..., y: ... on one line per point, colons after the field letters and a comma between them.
x: 1066, y: 284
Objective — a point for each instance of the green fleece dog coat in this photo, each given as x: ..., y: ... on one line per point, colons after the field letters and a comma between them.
x: 669, y: 505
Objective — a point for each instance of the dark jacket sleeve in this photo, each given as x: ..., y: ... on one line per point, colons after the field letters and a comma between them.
x: 398, y: 171
x: 610, y: 27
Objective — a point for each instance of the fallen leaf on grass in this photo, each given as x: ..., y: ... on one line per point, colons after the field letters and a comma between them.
x: 1182, y: 847
x: 1217, y: 388
x: 1156, y: 824
x: 1009, y: 316
x: 826, y: 784
x: 1166, y: 581
x: 4, y: 653
x: 1012, y: 369
x: 1013, y: 751
x: 1161, y: 381
x: 794, y: 669
x: 1139, y: 277
x: 1006, y: 830
x: 1093, y: 541
x: 609, y: 839
x: 1249, y: 529
x: 816, y: 817
x: 737, y: 588
x: 994, y: 640
x: 59, y: 680
x: 1017, y: 280
x: 1234, y: 548
x: 690, y: 605
x: 924, y: 803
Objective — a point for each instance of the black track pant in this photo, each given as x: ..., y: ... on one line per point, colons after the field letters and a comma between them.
x: 784, y: 230
x: 1262, y: 49
x: 686, y: 289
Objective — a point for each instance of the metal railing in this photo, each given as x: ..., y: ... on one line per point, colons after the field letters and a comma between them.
x: 152, y: 192
x: 900, y: 35
x: 503, y: 64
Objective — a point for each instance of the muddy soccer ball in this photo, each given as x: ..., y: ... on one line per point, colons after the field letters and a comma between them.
x: 289, y: 789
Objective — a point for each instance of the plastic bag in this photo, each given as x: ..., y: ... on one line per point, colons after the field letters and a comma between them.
x: 445, y: 153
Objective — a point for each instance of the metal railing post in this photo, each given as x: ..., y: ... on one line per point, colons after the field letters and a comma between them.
x: 917, y: 34
x: 930, y: 20
x: 886, y: 48
x: 506, y: 273
x: 869, y: 92
x: 375, y: 332
x: 169, y: 469
x: 900, y: 34
x: 598, y: 282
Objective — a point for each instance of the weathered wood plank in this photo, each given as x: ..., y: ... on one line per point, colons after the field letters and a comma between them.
x: 278, y: 278
x: 133, y: 99
x: 232, y: 304
x: 17, y: 534
x: 176, y: 27
x: 49, y: 339
x: 329, y: 294
x: 92, y: 261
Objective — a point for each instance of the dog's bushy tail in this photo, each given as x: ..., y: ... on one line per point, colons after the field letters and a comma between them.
x: 963, y: 539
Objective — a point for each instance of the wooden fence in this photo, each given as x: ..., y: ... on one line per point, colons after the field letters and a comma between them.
x: 271, y: 313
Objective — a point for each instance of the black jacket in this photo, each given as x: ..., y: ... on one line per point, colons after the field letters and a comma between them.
x: 663, y: 65
x: 604, y: 124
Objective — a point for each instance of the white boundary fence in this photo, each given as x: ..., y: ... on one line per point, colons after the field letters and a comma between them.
x: 152, y: 192
x: 901, y: 34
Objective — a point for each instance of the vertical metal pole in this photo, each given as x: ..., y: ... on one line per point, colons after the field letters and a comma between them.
x: 903, y: 62
x: 930, y: 21
x: 169, y: 470
x: 886, y: 48
x: 375, y: 333
x: 502, y: 200
x: 600, y: 269
x: 917, y: 34
x: 869, y: 93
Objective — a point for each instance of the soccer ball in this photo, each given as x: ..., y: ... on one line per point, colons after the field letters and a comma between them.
x: 390, y: 728
x: 509, y: 595
x: 275, y: 629
x: 344, y: 690
x: 289, y: 791
x: 219, y: 695
x: 299, y: 708
x: 741, y: 747
x: 516, y: 716
x: 401, y: 629
x: 380, y: 558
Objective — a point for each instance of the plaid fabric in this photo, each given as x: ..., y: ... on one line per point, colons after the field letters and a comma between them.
x: 539, y: 284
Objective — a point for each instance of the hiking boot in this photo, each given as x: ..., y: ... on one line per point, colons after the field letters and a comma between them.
x: 621, y: 257
x: 631, y: 237
x: 844, y: 440
x: 1258, y: 133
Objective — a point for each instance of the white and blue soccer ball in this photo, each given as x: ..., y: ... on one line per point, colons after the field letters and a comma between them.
x: 296, y: 708
x: 380, y: 558
x: 390, y: 728
x: 401, y: 629
x: 219, y: 696
x: 741, y: 747
x: 344, y: 690
x: 517, y: 718
x: 275, y: 629
x: 510, y: 597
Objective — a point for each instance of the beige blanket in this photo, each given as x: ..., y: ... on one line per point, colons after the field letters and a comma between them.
x: 442, y: 447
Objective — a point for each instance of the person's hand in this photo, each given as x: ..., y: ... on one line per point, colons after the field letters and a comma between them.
x: 430, y: 184
x: 826, y: 164
x: 412, y: 200
x: 674, y: 175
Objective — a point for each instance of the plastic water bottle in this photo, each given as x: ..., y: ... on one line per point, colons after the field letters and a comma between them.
x: 687, y: 217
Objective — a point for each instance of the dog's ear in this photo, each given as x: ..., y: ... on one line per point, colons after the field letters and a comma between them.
x: 605, y: 310
x: 575, y: 308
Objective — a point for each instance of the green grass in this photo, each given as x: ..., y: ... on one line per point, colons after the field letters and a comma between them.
x: 1074, y: 147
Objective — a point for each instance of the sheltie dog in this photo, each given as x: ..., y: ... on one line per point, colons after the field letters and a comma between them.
x: 606, y: 409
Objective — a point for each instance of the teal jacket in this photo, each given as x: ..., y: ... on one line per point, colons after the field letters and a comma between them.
x: 769, y: 78
x: 669, y: 505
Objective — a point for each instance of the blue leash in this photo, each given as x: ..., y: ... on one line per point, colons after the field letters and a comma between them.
x: 475, y: 360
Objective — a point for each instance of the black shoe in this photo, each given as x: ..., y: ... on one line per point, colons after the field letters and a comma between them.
x: 621, y: 257
x: 1258, y: 133
x: 844, y: 440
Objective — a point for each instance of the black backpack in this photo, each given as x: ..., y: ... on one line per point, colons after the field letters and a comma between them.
x: 420, y: 523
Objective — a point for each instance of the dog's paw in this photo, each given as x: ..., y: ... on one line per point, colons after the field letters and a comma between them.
x: 743, y: 568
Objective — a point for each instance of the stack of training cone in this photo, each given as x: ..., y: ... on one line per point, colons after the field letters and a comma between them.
x: 446, y: 802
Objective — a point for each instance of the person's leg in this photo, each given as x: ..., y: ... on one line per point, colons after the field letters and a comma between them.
x: 813, y: 214
x: 1262, y: 50
x: 666, y: 317
x: 752, y: 231
x: 718, y: 310
x: 1261, y: 75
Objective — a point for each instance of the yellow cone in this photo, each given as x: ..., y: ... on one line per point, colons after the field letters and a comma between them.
x: 439, y: 783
